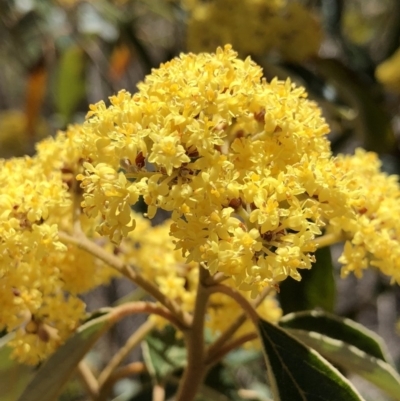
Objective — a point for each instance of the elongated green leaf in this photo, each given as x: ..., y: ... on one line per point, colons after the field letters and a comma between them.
x: 338, y: 328
x: 316, y: 288
x: 70, y: 89
x: 298, y: 373
x: 375, y: 370
x: 56, y: 371
x: 13, y: 376
x: 163, y: 353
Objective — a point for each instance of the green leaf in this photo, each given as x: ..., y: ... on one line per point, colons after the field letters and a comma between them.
x: 57, y: 370
x: 338, y: 328
x: 70, y: 87
x: 163, y: 353
x: 13, y: 376
x: 375, y: 370
x: 348, y: 344
x: 316, y: 288
x: 298, y: 373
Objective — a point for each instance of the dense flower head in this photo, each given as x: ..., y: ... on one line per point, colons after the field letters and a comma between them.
x: 29, y: 201
x: 152, y: 251
x: 242, y: 164
x: 254, y: 27
x: 375, y: 232
x: 40, y: 276
x: 28, y: 198
x: 244, y: 168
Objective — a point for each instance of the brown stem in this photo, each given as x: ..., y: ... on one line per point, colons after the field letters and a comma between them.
x: 117, y: 314
x: 195, y: 369
x: 239, y: 298
x: 133, y: 368
x: 88, y: 380
x: 231, y: 330
x: 84, y: 243
x: 220, y: 353
x: 130, y: 308
x: 122, y: 353
x: 217, y: 278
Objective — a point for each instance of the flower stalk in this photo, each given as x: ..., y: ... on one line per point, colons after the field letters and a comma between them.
x: 86, y: 244
x: 194, y: 337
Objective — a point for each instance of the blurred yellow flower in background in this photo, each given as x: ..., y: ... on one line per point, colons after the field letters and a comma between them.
x: 14, y: 137
x: 255, y: 27
x: 388, y: 72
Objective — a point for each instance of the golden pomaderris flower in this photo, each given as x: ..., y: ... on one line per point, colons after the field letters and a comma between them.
x: 242, y: 164
x: 152, y: 251
x: 30, y: 286
x: 375, y: 231
x: 40, y: 277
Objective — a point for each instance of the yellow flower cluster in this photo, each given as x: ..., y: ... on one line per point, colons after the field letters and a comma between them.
x: 28, y: 286
x: 254, y: 27
x: 152, y: 251
x: 388, y: 72
x: 243, y: 165
x: 39, y: 276
x: 375, y: 231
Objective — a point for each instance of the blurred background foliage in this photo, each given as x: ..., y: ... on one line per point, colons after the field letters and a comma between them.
x: 57, y: 57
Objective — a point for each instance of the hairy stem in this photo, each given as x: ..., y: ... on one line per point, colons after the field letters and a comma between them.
x: 232, y: 345
x: 130, y: 308
x: 217, y: 278
x: 84, y: 243
x: 239, y: 298
x: 118, y: 313
x: 133, y: 368
x: 194, y: 336
x: 231, y: 330
x: 122, y: 353
x: 88, y: 380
